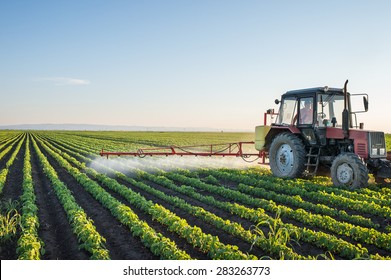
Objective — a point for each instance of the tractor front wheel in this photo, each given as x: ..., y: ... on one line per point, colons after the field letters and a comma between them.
x: 349, y: 171
x: 287, y: 156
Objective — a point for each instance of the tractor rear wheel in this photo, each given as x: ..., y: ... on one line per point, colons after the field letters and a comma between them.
x: 349, y: 171
x: 287, y: 156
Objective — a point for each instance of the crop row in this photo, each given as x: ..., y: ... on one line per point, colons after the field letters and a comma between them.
x: 5, y: 142
x: 293, y: 188
x: 365, y: 194
x: 258, y: 215
x: 82, y: 226
x: 359, y: 233
x: 370, y: 236
x: 314, y: 237
x: 4, y: 171
x: 6, y: 135
x: 268, y: 190
x: 326, y: 210
x: 30, y: 246
x: 235, y: 229
x: 135, y: 140
x: 192, y: 234
x: 8, y: 146
x: 159, y: 245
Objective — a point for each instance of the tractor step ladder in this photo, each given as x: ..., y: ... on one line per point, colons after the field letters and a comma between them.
x: 313, y: 160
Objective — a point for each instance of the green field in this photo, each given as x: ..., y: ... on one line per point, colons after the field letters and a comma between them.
x: 61, y: 200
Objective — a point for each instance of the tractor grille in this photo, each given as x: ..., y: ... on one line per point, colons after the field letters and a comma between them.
x: 377, y: 144
x: 362, y: 150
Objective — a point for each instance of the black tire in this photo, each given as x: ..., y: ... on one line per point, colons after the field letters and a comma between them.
x: 348, y: 170
x: 287, y: 156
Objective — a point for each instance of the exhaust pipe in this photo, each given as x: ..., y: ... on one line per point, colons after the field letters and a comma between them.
x: 345, y: 113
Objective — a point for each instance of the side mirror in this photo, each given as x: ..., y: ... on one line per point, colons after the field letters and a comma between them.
x: 277, y: 101
x: 334, y: 121
x: 365, y: 103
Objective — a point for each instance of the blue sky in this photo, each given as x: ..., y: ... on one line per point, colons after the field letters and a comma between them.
x: 216, y: 64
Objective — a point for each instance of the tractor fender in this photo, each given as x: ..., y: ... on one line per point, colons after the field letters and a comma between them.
x: 275, y: 130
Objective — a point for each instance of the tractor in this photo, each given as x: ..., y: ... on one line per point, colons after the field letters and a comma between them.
x: 316, y: 131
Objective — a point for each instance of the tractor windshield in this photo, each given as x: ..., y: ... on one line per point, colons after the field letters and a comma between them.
x: 329, y: 107
x: 288, y: 110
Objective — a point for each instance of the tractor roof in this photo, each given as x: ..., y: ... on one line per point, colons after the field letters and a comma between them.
x: 312, y: 91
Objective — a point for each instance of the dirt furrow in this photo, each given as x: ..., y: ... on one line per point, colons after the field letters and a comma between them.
x: 119, y: 240
x: 13, y: 184
x: 194, y: 221
x: 55, y: 231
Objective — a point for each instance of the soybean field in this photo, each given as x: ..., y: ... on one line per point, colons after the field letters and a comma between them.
x: 61, y: 200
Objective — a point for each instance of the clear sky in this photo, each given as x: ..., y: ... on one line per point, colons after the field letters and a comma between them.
x: 217, y: 64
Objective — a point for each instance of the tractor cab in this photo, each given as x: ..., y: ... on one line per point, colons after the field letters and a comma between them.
x: 315, y: 107
x: 311, y: 111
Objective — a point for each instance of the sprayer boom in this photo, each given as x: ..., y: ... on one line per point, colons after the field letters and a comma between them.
x: 230, y: 149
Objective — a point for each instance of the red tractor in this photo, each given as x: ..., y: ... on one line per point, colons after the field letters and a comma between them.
x: 316, y: 130
x: 314, y: 133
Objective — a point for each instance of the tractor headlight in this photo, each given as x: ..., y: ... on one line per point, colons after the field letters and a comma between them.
x: 382, y: 151
x: 374, y: 151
